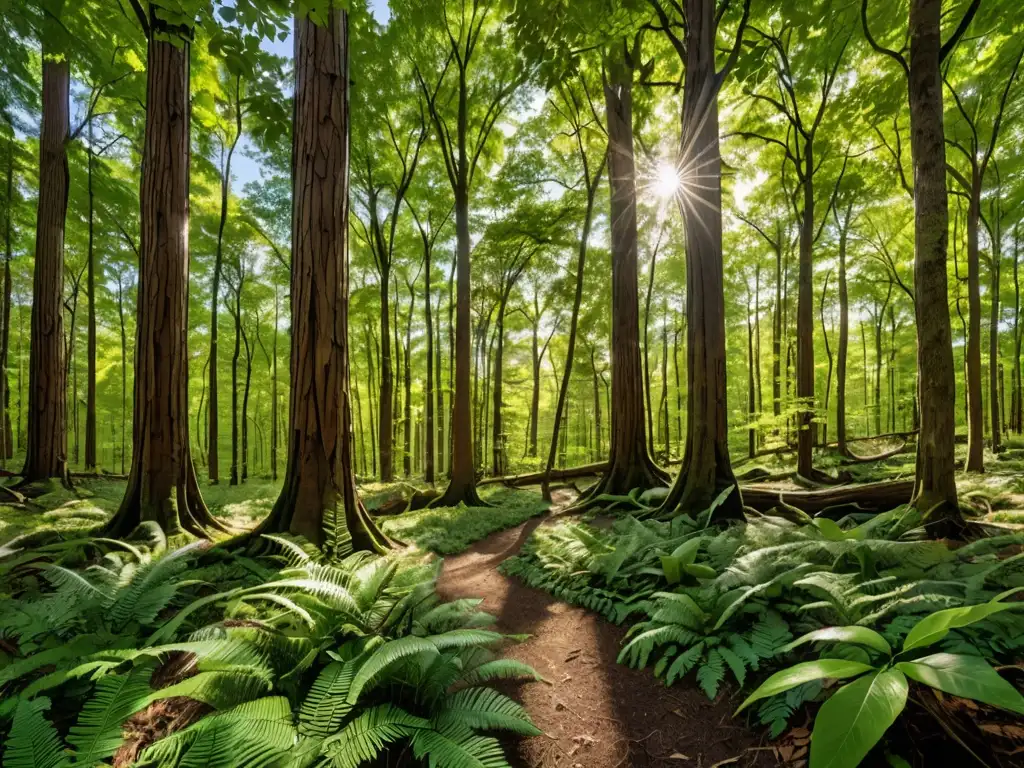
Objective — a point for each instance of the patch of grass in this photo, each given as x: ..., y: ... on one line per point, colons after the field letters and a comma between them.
x: 450, y: 530
x: 242, y: 506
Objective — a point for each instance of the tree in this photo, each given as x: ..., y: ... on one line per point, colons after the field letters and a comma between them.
x: 319, y: 480
x: 472, y: 62
x: 935, y: 487
x: 162, y: 485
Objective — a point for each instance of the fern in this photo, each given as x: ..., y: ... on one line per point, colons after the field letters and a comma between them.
x: 711, y: 672
x: 33, y: 741
x: 96, y: 734
x: 365, y: 736
x: 485, y: 708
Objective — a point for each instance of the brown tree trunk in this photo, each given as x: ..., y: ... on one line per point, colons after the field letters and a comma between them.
x: 647, y: 352
x: 1018, y: 404
x: 162, y: 485
x: 828, y: 353
x: 975, y: 406
x: 805, y: 323
x: 249, y: 351
x: 630, y: 464
x: 124, y: 374
x: 777, y: 339
x: 428, y: 469
x: 440, y: 412
x: 664, y: 407
x: 598, y: 435
x: 237, y: 315
x: 6, y: 433
x: 385, y: 419
x: 407, y: 381
x: 498, y: 427
x: 273, y: 394
x: 319, y: 482
x: 994, y: 366
x: 371, y: 367
x: 707, y: 469
x: 751, y: 388
x: 46, y: 451
x: 535, y: 395
x: 935, y: 489
x: 844, y: 335
x: 90, y: 289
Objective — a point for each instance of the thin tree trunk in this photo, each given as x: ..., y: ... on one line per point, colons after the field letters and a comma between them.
x: 647, y: 350
x: 273, y: 394
x: 994, y: 365
x: 1018, y: 394
x: 249, y: 350
x: 318, y: 499
x: 440, y: 412
x: 428, y: 470
x: 663, y: 408
x: 6, y: 433
x: 234, y: 386
x: 385, y: 418
x: 828, y: 352
x: 371, y: 367
x: 407, y: 380
x: 90, y: 289
x: 124, y: 373
x: 844, y: 333
x: 498, y: 428
x: 975, y: 406
x: 598, y: 437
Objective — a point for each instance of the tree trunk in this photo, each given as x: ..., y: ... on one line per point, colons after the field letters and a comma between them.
x: 751, y: 389
x: 844, y: 335
x: 498, y: 428
x: 598, y: 437
x: 6, y: 433
x: 407, y: 380
x: 647, y: 352
x: 664, y: 408
x: 319, y: 481
x: 440, y: 413
x: 273, y: 394
x: 90, y: 289
x: 234, y: 387
x: 428, y: 469
x: 630, y: 465
x: 706, y: 470
x: 777, y: 339
x: 535, y: 396
x: 124, y: 373
x: 46, y: 452
x: 975, y: 407
x: 679, y: 391
x: 371, y: 367
x: 935, y: 489
x: 162, y: 486
x: 994, y: 366
x: 805, y: 322
x: 828, y: 352
x: 1018, y: 394
x: 245, y: 405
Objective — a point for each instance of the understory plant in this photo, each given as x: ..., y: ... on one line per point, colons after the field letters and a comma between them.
x: 300, y: 661
x: 856, y: 716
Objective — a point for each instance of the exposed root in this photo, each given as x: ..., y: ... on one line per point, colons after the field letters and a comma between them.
x: 870, y: 497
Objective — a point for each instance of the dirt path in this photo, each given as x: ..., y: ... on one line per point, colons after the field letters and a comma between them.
x: 594, y: 713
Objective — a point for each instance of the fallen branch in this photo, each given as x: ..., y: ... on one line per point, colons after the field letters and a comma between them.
x: 853, y: 458
x: 556, y: 474
x: 870, y: 497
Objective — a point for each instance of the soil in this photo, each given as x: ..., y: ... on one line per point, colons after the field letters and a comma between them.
x: 594, y: 712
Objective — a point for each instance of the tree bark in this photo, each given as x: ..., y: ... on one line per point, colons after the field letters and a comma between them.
x: 162, y: 485
x: 6, y: 433
x: 428, y: 469
x: 498, y: 427
x: 440, y: 412
x: 319, y: 481
x: 407, y: 381
x: 249, y: 352
x: 1018, y: 404
x: 46, y: 455
x: 385, y: 419
x: 844, y: 333
x: 631, y: 465
x: 707, y: 469
x: 647, y: 349
x: 273, y: 393
x: 90, y: 289
x: 237, y: 316
x: 935, y: 489
x: 975, y: 407
x: 994, y: 365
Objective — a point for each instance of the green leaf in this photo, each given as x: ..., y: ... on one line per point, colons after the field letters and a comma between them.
x: 933, y: 628
x: 700, y: 571
x: 686, y: 552
x: 97, y: 733
x: 856, y: 717
x: 858, y: 635
x: 837, y: 669
x: 969, y: 677
x: 33, y: 741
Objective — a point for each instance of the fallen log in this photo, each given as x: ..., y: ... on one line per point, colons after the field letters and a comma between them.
x: 853, y: 458
x: 870, y: 497
x: 887, y: 436
x: 556, y: 474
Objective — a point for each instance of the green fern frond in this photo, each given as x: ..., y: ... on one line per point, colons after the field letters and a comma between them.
x: 363, y: 739
x: 485, y: 708
x: 500, y: 669
x: 326, y: 704
x: 684, y: 662
x: 384, y: 656
x: 711, y: 673
x: 96, y: 734
x: 457, y: 746
x: 33, y: 741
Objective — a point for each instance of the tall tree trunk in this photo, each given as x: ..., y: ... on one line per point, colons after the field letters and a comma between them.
x: 777, y: 339
x: 1018, y: 394
x: 162, y: 486
x: 273, y: 394
x: 428, y: 458
x: 805, y: 323
x: 664, y: 407
x: 498, y: 427
x: 245, y: 405
x: 440, y: 412
x: 844, y: 334
x: 385, y: 419
x: 630, y: 464
x: 407, y: 381
x: 90, y: 289
x: 237, y: 315
x: 828, y: 352
x: 975, y: 406
x: 679, y: 391
x: 6, y: 433
x: 751, y: 388
x: 535, y: 392
x: 707, y: 469
x: 398, y: 362
x: 319, y: 482
x: 935, y: 490
x: 46, y: 452
x: 371, y: 367
x: 598, y: 437
x: 647, y: 352
x: 359, y: 427
x: 994, y: 365
x: 124, y: 373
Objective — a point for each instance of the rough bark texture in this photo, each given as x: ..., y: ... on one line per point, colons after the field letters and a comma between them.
x: 319, y: 492
x: 706, y: 470
x: 935, y: 490
x: 994, y: 366
x: 162, y: 484
x: 6, y: 433
x: 46, y: 451
x: 630, y: 465
x: 385, y: 418
x: 428, y: 471
x: 975, y: 406
x: 844, y: 335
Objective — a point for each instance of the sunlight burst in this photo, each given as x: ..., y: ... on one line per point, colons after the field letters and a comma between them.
x: 666, y: 180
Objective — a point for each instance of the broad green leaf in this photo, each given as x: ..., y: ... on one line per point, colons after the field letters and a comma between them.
x: 933, y: 628
x: 686, y: 552
x: 853, y: 634
x: 969, y: 677
x: 837, y: 669
x: 855, y: 718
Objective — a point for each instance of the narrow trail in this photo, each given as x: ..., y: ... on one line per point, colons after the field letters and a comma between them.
x: 594, y: 713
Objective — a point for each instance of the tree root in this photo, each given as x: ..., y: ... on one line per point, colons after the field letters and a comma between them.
x: 852, y: 458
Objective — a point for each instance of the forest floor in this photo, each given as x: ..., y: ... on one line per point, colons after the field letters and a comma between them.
x: 594, y: 712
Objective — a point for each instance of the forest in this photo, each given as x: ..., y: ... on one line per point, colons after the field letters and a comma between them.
x: 524, y: 383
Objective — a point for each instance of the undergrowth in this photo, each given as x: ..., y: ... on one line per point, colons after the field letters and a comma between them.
x: 724, y: 603
x: 295, y: 660
x: 450, y: 530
